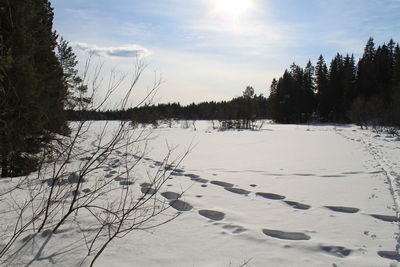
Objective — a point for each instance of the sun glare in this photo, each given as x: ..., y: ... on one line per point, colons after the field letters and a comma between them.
x: 233, y: 8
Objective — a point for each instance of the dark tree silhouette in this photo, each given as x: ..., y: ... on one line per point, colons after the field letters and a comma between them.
x: 365, y: 93
x: 32, y: 91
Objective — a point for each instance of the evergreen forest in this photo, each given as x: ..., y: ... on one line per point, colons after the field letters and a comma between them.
x: 40, y: 90
x: 37, y: 81
x: 366, y: 91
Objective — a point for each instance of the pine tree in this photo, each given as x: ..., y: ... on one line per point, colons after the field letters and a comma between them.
x: 76, y: 90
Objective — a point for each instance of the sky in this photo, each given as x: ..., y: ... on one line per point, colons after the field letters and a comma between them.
x: 207, y: 50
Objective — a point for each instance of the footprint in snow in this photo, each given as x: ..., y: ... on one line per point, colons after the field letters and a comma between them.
x: 237, y: 190
x: 274, y: 174
x: 392, y: 255
x: 297, y: 205
x: 191, y: 175
x: 85, y: 158
x: 286, y: 235
x: 235, y: 229
x: 349, y: 173
x: 304, y: 174
x: 223, y: 184
x: 147, y: 189
x: 180, y: 205
x: 171, y: 195
x: 126, y: 183
x: 386, y: 218
x: 337, y: 251
x: 178, y: 172
x: 375, y: 172
x: 212, y: 214
x: 270, y: 196
x: 115, y: 161
x: 343, y: 209
x: 169, y: 168
x: 199, y: 180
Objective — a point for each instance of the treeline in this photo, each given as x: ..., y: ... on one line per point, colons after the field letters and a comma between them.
x: 364, y: 92
x: 248, y: 106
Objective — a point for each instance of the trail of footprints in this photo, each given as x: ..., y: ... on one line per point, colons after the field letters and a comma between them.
x: 216, y: 216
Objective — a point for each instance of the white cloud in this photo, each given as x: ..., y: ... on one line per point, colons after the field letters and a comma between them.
x: 124, y: 51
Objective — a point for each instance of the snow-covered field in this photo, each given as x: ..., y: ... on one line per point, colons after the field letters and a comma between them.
x: 285, y: 195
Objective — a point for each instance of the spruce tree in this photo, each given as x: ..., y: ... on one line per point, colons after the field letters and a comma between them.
x: 308, y: 91
x: 366, y: 81
x: 336, y: 88
x: 384, y: 63
x: 285, y: 99
x: 272, y: 100
x: 76, y: 89
x: 349, y: 85
x: 396, y: 66
x: 322, y: 89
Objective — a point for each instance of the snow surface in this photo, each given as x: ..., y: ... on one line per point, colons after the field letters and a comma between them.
x: 354, y: 172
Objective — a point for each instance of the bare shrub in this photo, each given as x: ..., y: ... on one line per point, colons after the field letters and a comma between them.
x: 96, y: 190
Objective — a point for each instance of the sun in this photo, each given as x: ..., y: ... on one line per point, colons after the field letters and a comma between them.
x: 233, y: 8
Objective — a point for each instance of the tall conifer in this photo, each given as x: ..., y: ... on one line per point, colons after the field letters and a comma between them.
x: 32, y: 90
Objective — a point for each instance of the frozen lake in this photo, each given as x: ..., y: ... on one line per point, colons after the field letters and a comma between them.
x: 285, y: 195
